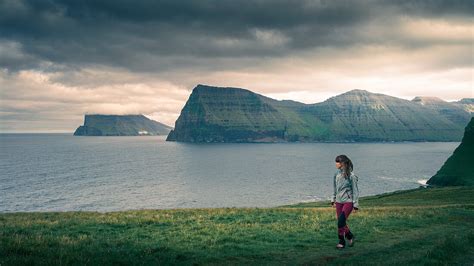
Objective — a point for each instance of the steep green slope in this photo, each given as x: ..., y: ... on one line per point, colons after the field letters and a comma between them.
x: 457, y: 170
x: 359, y: 115
x: 454, y: 111
x: 120, y: 125
x: 214, y: 114
x: 227, y: 114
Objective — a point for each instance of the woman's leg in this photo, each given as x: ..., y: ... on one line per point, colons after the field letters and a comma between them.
x: 340, y: 220
x: 347, y: 209
x: 343, y: 211
x: 338, y: 209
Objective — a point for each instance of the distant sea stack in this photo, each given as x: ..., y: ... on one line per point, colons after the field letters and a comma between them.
x: 215, y: 114
x: 457, y: 170
x: 120, y: 125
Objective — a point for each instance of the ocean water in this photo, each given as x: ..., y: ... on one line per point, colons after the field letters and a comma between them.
x: 60, y: 172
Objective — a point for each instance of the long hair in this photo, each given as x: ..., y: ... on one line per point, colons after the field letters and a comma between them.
x: 347, y: 166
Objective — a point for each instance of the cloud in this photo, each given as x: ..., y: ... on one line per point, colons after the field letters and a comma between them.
x: 157, y: 35
x: 60, y: 59
x: 34, y: 96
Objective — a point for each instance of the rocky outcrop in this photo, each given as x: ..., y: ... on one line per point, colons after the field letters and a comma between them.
x: 457, y: 170
x: 120, y: 125
x: 214, y: 114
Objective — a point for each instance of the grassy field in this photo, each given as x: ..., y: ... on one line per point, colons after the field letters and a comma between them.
x: 426, y: 226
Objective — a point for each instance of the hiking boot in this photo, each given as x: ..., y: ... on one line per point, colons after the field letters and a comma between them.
x: 342, y: 243
x: 350, y: 239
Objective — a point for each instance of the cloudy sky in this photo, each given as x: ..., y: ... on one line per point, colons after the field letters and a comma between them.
x: 61, y: 59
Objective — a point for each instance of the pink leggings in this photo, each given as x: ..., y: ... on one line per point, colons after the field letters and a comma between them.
x: 343, y: 210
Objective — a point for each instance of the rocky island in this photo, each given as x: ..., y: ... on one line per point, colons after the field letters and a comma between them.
x: 120, y: 125
x: 216, y: 114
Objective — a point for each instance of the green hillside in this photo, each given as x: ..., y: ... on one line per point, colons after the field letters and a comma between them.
x: 227, y: 114
x: 457, y: 170
x: 418, y: 227
x: 214, y: 114
x: 120, y: 125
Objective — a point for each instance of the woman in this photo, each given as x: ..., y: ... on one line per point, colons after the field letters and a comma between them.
x: 345, y: 198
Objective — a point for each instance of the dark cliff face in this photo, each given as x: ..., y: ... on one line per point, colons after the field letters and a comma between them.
x: 214, y: 114
x: 120, y: 125
x: 457, y: 170
x: 227, y: 115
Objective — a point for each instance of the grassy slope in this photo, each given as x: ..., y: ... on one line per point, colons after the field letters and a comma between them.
x: 431, y: 226
x: 454, y: 171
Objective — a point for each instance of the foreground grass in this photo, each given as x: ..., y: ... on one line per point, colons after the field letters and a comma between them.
x: 430, y: 226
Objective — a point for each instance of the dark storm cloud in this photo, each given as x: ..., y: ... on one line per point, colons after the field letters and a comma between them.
x: 153, y: 35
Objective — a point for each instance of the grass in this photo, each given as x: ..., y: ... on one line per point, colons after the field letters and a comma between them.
x: 428, y: 226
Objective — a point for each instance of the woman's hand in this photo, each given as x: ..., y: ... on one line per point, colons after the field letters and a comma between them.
x: 355, y: 209
x: 333, y: 204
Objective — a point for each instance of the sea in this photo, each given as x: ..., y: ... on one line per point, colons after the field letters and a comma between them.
x: 61, y: 172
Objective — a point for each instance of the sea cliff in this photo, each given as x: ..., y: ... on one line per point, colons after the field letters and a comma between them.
x: 214, y: 114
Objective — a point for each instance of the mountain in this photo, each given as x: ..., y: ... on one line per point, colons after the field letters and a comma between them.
x: 214, y: 114
x: 120, y: 125
x: 456, y: 111
x: 226, y: 115
x: 457, y: 170
x: 467, y: 104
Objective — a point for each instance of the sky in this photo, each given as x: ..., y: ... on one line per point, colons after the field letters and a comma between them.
x: 61, y: 59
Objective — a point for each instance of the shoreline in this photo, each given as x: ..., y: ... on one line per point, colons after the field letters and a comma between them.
x: 238, y: 142
x: 318, y: 204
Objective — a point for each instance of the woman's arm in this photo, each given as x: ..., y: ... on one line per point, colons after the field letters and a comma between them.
x: 334, y: 191
x: 355, y: 191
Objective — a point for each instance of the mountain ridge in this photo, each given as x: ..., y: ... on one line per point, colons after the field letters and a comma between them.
x: 227, y: 114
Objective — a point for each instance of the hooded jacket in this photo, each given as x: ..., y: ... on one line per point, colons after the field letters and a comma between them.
x: 345, y: 189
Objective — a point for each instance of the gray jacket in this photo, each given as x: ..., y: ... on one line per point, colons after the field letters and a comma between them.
x: 345, y: 189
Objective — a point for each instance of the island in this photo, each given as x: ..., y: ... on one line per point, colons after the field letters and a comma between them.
x: 120, y: 125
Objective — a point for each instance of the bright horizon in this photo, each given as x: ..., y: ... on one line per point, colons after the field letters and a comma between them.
x: 61, y: 60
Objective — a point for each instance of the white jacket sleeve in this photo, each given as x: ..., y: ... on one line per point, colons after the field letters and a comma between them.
x: 355, y: 191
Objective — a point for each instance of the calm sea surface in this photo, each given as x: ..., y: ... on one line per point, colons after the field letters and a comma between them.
x: 59, y: 172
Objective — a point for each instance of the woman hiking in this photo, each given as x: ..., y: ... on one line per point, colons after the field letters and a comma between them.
x: 345, y: 198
